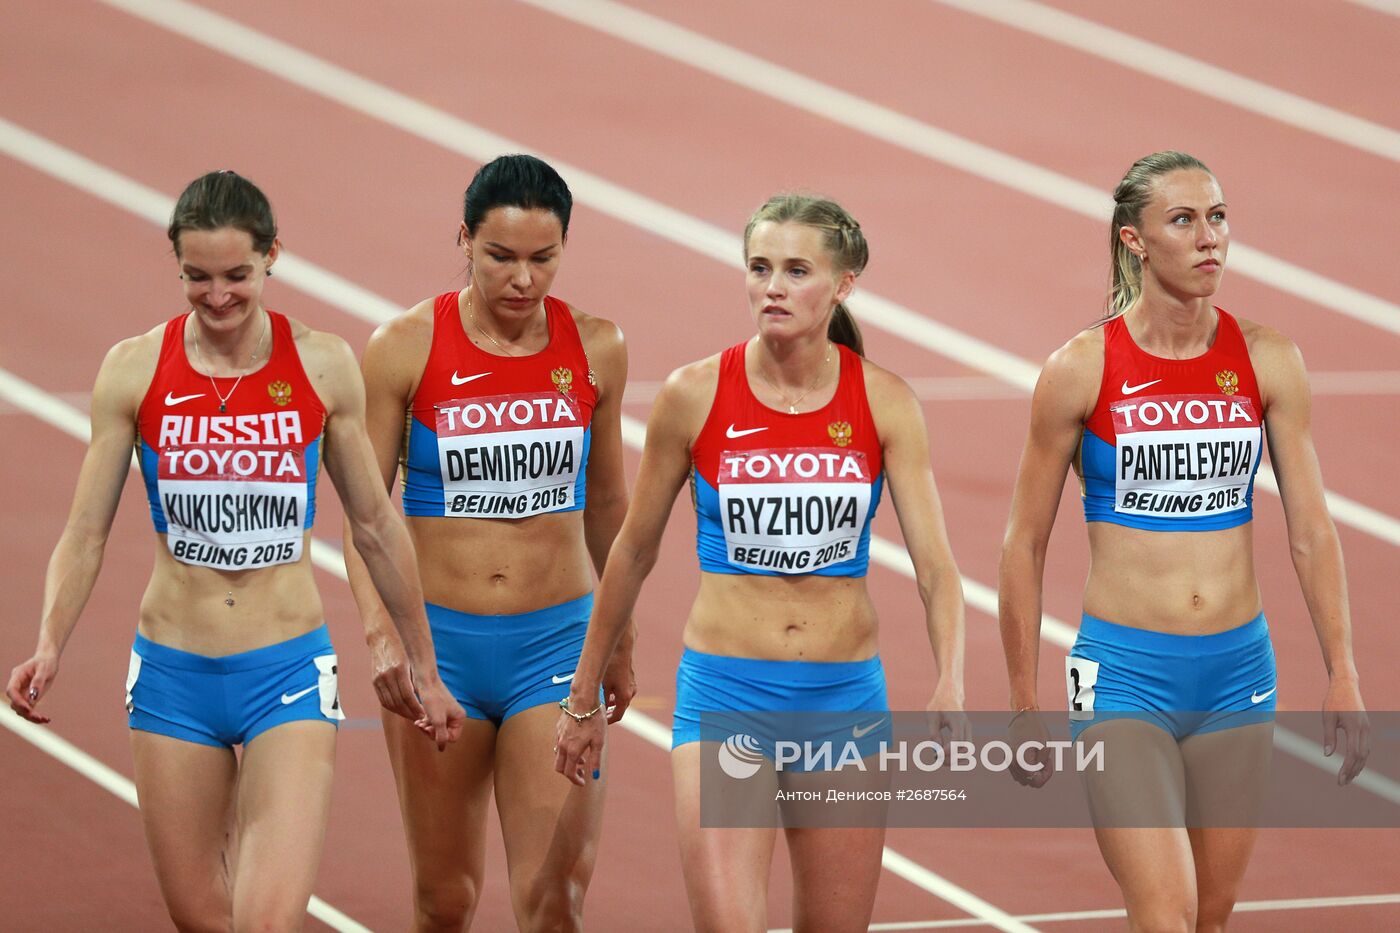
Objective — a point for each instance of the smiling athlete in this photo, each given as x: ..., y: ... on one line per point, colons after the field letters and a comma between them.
x: 232, y: 408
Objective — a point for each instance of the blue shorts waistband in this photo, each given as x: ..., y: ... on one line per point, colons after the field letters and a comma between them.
x: 547, y: 618
x: 266, y: 656
x: 791, y: 672
x: 1092, y: 627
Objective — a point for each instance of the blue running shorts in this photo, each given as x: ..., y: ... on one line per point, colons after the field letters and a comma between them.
x: 231, y: 700
x: 716, y: 684
x: 1186, y: 684
x: 498, y: 665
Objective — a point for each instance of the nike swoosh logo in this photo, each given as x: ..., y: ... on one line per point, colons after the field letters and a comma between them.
x: 731, y: 433
x: 556, y: 679
x: 1129, y: 390
x: 293, y: 697
x: 177, y: 399
x: 861, y: 732
x: 463, y: 380
x: 1261, y: 697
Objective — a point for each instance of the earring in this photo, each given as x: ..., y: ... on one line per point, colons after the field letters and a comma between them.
x: 269, y: 273
x: 1142, y: 257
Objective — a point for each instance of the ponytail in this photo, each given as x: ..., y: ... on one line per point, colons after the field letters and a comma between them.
x: 844, y: 330
x: 1129, y: 198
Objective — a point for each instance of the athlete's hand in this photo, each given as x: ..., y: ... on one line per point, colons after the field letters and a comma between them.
x: 619, y: 679
x: 578, y: 747
x: 393, y: 681
x: 1029, y: 726
x: 28, y: 684
x: 443, y: 717
x: 1344, y: 710
x: 946, y: 720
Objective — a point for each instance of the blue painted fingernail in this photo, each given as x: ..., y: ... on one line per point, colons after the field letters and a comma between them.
x: 597, y: 773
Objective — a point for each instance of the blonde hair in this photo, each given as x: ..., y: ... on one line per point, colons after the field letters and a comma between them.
x: 1129, y: 198
x: 841, y: 236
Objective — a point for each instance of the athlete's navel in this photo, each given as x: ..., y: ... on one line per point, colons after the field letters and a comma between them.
x: 499, y: 579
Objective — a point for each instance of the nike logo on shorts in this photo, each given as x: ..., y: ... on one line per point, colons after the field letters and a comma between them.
x: 860, y: 732
x: 293, y: 697
x: 556, y: 679
x: 1129, y: 390
x: 731, y: 433
x: 1261, y: 697
x: 177, y: 399
x: 463, y: 380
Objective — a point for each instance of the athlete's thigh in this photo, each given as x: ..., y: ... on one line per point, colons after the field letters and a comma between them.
x: 1226, y: 778
x: 1138, y: 805
x: 550, y: 824
x: 443, y: 796
x: 186, y: 791
x: 835, y: 872
x: 284, y: 796
x: 726, y: 869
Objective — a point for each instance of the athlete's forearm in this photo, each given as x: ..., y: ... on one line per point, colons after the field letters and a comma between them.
x: 373, y: 616
x: 68, y: 582
x: 1317, y: 559
x: 946, y: 620
x: 389, y: 562
x: 1018, y: 616
x: 612, y: 614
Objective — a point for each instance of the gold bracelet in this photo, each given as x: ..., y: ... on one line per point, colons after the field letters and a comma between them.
x: 579, y: 717
x: 1024, y: 709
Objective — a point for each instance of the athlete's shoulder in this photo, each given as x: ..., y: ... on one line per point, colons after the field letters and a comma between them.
x: 602, y: 339
x: 688, y: 393
x: 1264, y: 341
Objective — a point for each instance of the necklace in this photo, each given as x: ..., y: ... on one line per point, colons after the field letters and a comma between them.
x: 223, y: 399
x: 471, y: 313
x: 793, y: 403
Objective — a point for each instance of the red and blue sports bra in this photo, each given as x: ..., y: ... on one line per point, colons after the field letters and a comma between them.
x: 1173, y: 445
x: 776, y: 493
x: 235, y: 489
x: 499, y: 436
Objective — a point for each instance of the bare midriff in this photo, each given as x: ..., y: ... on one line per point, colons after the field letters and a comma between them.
x: 1183, y: 582
x: 781, y: 618
x: 219, y: 612
x: 491, y: 566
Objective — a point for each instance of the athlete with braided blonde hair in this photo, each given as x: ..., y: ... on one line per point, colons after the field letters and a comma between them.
x: 783, y: 619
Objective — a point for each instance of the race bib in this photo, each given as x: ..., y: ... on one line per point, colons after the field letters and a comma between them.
x: 509, y: 456
x: 1185, y: 454
x: 793, y: 510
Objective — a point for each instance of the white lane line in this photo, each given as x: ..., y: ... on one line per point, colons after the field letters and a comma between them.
x: 81, y: 172
x: 763, y: 77
x: 1302, y: 903
x: 1381, y: 6
x: 70, y: 421
x: 1159, y: 62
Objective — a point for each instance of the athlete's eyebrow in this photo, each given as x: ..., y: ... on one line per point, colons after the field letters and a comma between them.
x: 502, y: 248
x: 246, y: 267
x: 1184, y: 207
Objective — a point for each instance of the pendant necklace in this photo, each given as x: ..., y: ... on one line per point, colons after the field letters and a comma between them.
x: 793, y: 403
x: 222, y: 397
x: 471, y: 313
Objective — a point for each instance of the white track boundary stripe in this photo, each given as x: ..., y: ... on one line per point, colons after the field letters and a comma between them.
x: 1303, y: 903
x: 79, y: 171
x: 324, y: 285
x: 329, y: 558
x: 1156, y: 61
x: 760, y: 76
x: 1381, y: 6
